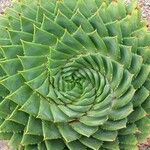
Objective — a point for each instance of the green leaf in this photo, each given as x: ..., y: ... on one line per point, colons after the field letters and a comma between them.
x: 31, y: 106
x: 111, y: 145
x: 55, y: 145
x: 5, y: 135
x: 35, y: 49
x: 61, y: 6
x: 128, y: 139
x: 112, y: 46
x: 91, y: 143
x: 98, y: 42
x: 15, y: 140
x: 7, y: 107
x: 69, y: 112
x: 141, y: 77
x: 114, y: 125
x: 114, y: 29
x: 14, y: 22
x: 131, y: 41
x: 58, y: 115
x: 41, y: 12
x: 49, y: 5
x: 84, y: 39
x: 61, y: 19
x: 31, y: 139
x: 27, y: 25
x: 130, y: 129
x: 11, y: 66
x: 38, y: 81
x: 124, y: 99
x: 121, y: 113
x: 118, y: 73
x: 93, y: 121
x: 124, y: 85
x: 45, y: 110
x: 44, y: 88
x: 98, y: 24
x: 34, y: 126
x: 50, y: 131
x: 43, y: 37
x: 136, y: 64
x: 11, y: 51
x: 32, y: 73
x: 69, y: 40
x: 103, y: 12
x: 70, y: 4
x: 83, y: 129
x: 10, y: 82
x: 140, y: 96
x: 5, y: 41
x: 17, y: 36
x: 41, y: 146
x: 30, y: 62
x: 126, y: 55
x: 81, y: 5
x: 10, y: 126
x: 76, y: 145
x: 105, y: 135
x: 113, y: 10
x: 68, y: 133
x: 129, y: 146
x: 21, y: 95
x: 19, y: 117
x: 28, y: 147
x: 52, y: 27
x: 80, y: 20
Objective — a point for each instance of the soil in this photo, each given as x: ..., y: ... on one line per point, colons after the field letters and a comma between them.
x: 4, y: 145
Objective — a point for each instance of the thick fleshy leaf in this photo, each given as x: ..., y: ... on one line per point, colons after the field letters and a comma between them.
x: 83, y: 129
x: 68, y: 133
x: 105, y: 135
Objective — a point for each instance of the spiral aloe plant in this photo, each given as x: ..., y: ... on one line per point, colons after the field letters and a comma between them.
x: 74, y: 75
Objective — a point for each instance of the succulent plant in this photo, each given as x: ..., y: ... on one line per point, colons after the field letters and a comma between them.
x: 74, y: 75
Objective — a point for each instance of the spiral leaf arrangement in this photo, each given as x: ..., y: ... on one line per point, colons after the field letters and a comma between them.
x: 74, y: 75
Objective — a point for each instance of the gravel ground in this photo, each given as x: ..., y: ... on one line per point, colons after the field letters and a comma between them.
x: 144, y: 4
x: 4, y: 4
x: 4, y: 145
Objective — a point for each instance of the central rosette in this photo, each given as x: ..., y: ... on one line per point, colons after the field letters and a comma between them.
x: 84, y: 91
